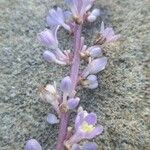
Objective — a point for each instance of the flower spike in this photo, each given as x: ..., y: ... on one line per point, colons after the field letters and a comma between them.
x: 64, y: 99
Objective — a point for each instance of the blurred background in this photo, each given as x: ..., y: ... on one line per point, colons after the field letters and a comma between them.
x: 122, y: 99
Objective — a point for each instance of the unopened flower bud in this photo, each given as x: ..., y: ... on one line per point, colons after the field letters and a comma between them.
x: 52, y: 119
x: 66, y: 85
x: 95, y: 66
x: 91, y: 18
x: 94, y: 51
x: 106, y: 35
x: 48, y: 38
x: 33, y: 145
x: 73, y: 102
x: 90, y: 83
x: 93, y: 15
x: 51, y: 57
x: 96, y: 12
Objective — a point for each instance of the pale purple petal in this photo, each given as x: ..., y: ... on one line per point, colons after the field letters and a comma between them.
x: 92, y: 79
x: 73, y: 103
x: 93, y: 86
x: 33, y: 145
x: 93, y: 15
x: 91, y: 18
x: 48, y: 39
x: 49, y: 56
x: 79, y: 119
x: 51, y: 21
x: 90, y: 146
x: 96, y: 12
x: 95, y: 66
x: 95, y: 51
x: 52, y: 119
x: 97, y: 131
x: 108, y: 33
x: 57, y: 17
x: 79, y: 7
x: 114, y: 38
x: 91, y: 118
x: 91, y: 82
x: 67, y: 15
x: 66, y: 85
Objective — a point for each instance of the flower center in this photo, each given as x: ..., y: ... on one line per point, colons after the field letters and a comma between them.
x: 87, y: 128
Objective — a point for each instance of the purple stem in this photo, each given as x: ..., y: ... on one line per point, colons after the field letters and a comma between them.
x: 64, y: 117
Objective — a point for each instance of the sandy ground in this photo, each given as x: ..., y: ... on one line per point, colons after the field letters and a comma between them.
x: 122, y: 99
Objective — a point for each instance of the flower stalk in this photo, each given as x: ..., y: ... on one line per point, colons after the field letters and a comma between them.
x: 64, y: 117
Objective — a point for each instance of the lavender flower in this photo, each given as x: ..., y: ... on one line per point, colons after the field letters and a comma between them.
x: 58, y: 17
x: 51, y: 57
x: 49, y: 94
x: 84, y: 128
x: 79, y: 8
x: 72, y: 103
x: 66, y: 85
x: 49, y: 38
x: 33, y: 144
x: 95, y: 66
x: 93, y: 15
x: 106, y: 35
x: 90, y: 82
x: 52, y: 119
x: 93, y: 52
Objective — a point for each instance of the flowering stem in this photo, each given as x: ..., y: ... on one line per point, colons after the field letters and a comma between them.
x: 76, y: 59
x: 64, y: 117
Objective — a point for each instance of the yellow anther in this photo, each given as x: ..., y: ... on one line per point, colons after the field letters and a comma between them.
x: 86, y: 127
